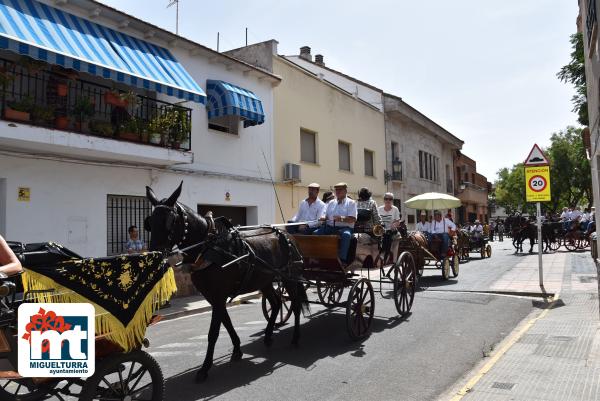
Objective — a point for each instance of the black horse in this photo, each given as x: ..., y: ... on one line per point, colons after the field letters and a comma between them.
x: 272, y: 255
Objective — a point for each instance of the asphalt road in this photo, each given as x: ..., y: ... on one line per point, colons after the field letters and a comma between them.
x: 413, y: 359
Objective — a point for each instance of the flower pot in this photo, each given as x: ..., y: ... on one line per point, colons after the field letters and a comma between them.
x: 81, y: 126
x: 144, y: 137
x: 130, y: 136
x: 61, y: 122
x: 155, y: 139
x: 115, y: 100
x: 61, y: 90
x: 11, y: 114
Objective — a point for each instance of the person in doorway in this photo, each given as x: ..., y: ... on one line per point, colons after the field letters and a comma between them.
x: 310, y: 211
x: 340, y: 216
x: 134, y: 244
x: 9, y: 263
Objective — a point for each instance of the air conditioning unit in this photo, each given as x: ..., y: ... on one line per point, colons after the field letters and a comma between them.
x: 291, y: 172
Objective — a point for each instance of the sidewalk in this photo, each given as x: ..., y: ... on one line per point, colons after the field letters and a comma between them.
x: 555, y: 355
x: 190, y: 305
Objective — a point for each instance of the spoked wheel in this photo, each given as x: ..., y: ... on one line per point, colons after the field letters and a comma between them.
x: 455, y: 265
x: 405, y: 281
x: 583, y: 243
x: 24, y: 390
x: 446, y: 268
x: 329, y: 293
x: 360, y: 309
x: 488, y: 250
x: 132, y: 376
x: 554, y: 245
x: 571, y: 243
x: 286, y: 305
x: 482, y: 252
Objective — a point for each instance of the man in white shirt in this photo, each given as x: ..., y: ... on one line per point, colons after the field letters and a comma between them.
x: 340, y: 216
x: 423, y: 225
x: 390, y: 215
x: 440, y: 228
x: 564, y: 218
x: 310, y: 210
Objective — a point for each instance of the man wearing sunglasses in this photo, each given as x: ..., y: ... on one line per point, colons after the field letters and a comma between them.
x: 390, y: 215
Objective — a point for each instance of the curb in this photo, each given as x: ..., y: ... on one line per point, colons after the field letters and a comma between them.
x: 205, y: 308
x: 496, y: 292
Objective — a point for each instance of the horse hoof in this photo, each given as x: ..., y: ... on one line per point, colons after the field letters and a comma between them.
x: 201, y: 376
x: 236, y: 356
x: 268, y: 341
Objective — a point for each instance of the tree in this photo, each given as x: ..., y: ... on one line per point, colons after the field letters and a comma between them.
x: 574, y: 73
x: 570, y: 176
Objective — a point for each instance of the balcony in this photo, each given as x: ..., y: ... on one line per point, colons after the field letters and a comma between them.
x: 471, y: 193
x: 396, y: 170
x: 72, y: 111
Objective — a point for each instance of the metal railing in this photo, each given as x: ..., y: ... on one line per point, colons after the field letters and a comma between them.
x: 49, y: 96
x: 591, y: 19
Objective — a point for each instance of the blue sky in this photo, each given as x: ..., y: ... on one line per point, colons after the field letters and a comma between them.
x: 486, y: 71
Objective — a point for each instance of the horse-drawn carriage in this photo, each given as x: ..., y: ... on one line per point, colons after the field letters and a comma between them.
x: 427, y: 253
x: 479, y: 243
x: 123, y: 370
x: 370, y: 249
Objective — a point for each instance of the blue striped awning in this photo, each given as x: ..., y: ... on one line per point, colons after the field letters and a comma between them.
x: 225, y: 99
x: 46, y: 33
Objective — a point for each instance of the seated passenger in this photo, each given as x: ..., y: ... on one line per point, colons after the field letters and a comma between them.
x: 440, y: 228
x: 9, y: 263
x: 367, y: 208
x: 423, y: 225
x: 340, y: 216
x: 310, y: 211
x: 390, y: 215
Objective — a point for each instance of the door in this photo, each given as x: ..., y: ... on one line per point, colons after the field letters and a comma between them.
x: 235, y: 214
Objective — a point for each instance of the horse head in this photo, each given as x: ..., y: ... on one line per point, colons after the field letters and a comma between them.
x: 172, y: 223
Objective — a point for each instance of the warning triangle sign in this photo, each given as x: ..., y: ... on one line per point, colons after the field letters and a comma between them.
x: 536, y: 157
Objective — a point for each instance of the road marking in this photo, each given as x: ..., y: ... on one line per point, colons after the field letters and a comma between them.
x: 507, y: 345
x: 177, y: 345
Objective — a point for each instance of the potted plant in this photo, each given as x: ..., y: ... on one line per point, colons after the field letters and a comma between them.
x: 19, y: 111
x: 130, y: 130
x: 103, y: 128
x: 118, y: 99
x: 83, y: 109
x: 61, y: 121
x: 42, y: 114
x: 62, y: 89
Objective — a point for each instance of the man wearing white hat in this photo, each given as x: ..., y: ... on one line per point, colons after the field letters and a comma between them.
x: 340, y: 216
x: 310, y: 210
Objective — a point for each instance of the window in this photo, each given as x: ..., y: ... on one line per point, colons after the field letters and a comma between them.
x: 344, y: 155
x: 227, y: 124
x: 395, y: 151
x: 122, y: 212
x: 398, y: 204
x: 369, y: 163
x: 428, y: 166
x: 308, y: 146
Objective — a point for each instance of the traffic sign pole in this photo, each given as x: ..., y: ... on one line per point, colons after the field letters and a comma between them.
x: 540, y: 245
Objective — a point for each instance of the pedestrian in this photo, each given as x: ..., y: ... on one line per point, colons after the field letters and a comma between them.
x: 500, y: 229
x: 492, y: 228
x: 134, y: 244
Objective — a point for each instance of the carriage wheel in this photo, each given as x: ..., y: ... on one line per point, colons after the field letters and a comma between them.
x: 404, y: 283
x: 329, y: 293
x: 285, y: 311
x: 571, y: 243
x: 583, y: 243
x: 131, y: 376
x: 554, y: 245
x: 482, y: 252
x: 24, y: 390
x: 488, y: 251
x: 360, y: 309
x: 455, y: 265
x: 446, y: 268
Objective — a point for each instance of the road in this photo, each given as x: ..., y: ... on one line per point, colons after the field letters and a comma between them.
x: 418, y: 358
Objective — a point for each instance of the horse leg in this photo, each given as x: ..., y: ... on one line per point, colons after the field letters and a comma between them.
x: 275, y: 302
x: 297, y: 301
x: 213, y: 335
x: 531, y: 242
x: 236, y: 355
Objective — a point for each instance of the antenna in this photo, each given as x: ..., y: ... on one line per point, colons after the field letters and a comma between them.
x: 176, y: 3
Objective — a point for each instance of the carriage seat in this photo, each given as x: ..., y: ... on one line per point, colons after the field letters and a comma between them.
x: 322, y: 249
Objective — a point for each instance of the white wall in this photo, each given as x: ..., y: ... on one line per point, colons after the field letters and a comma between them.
x: 67, y: 195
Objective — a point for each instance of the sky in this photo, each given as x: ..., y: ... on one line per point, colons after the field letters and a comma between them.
x: 485, y: 71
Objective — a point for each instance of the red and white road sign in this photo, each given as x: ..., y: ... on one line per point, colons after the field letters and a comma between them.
x: 537, y: 183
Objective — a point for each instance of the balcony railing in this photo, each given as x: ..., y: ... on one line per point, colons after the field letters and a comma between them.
x: 397, y: 170
x: 591, y: 19
x: 38, y: 94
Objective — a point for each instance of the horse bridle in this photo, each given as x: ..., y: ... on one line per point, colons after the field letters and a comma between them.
x: 177, y: 214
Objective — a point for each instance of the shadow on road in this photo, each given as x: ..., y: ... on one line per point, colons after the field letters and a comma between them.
x: 323, y: 336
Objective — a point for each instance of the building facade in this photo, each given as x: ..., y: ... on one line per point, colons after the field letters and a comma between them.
x: 472, y: 189
x: 323, y: 131
x: 587, y: 24
x: 85, y: 127
x: 420, y: 154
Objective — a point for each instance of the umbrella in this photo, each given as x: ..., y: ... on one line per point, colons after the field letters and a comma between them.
x: 432, y: 201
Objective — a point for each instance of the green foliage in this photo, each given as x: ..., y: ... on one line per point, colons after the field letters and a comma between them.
x: 173, y: 122
x: 570, y: 176
x: 84, y: 109
x: 42, y: 113
x: 574, y: 73
x: 26, y: 104
x: 102, y: 128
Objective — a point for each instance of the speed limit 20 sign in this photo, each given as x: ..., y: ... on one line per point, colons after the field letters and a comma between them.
x: 537, y: 183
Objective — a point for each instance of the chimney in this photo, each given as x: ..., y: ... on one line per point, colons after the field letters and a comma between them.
x: 305, y: 53
x: 319, y: 60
